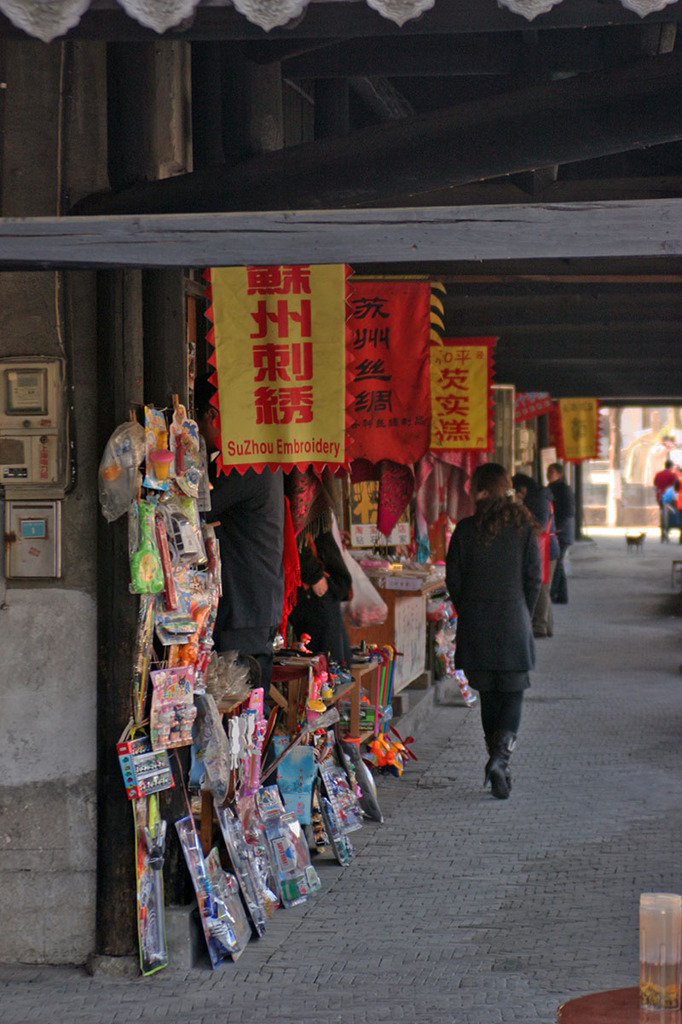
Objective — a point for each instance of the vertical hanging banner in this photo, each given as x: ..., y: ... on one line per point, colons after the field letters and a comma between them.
x: 461, y: 396
x: 578, y: 433
x: 389, y: 336
x: 279, y: 341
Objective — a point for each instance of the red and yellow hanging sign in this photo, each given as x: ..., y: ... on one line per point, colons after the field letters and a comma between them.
x: 577, y: 429
x: 389, y: 335
x: 279, y: 338
x: 461, y: 395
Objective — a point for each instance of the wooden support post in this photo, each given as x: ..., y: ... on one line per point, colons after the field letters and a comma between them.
x: 119, y: 388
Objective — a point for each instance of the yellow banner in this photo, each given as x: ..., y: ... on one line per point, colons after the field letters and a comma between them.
x: 461, y: 372
x: 579, y: 428
x: 280, y: 359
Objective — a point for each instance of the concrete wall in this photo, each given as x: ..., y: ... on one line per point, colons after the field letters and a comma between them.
x: 54, y: 152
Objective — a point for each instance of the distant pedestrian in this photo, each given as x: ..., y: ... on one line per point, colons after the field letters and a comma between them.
x: 538, y: 501
x: 493, y: 576
x: 664, y: 479
x: 564, y: 519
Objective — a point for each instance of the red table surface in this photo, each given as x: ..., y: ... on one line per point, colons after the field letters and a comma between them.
x: 618, y: 1006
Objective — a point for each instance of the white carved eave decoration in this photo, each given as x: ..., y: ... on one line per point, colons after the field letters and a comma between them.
x: 270, y: 13
x: 159, y: 15
x: 529, y: 8
x: 44, y: 19
x: 532, y: 8
x: 644, y: 7
x: 50, y: 19
x: 401, y: 11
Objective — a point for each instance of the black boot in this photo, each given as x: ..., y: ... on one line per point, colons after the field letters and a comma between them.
x: 488, y: 747
x: 498, y: 767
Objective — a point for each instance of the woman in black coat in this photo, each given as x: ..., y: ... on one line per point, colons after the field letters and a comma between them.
x: 326, y: 582
x: 493, y: 575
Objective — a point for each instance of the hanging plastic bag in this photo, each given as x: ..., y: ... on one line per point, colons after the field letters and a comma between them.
x: 119, y: 477
x: 366, y: 606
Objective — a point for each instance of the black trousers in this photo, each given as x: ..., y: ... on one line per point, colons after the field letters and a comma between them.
x: 500, y: 711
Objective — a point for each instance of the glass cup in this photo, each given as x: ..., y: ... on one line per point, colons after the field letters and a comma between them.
x: 660, y: 950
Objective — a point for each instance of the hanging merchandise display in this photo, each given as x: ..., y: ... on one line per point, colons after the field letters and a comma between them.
x: 184, y: 693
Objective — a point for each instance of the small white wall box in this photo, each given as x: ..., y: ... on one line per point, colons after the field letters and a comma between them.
x: 33, y: 539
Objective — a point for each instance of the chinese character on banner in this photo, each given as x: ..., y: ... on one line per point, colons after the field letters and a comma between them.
x: 280, y: 345
x: 389, y: 326
x: 576, y: 426
x: 461, y: 395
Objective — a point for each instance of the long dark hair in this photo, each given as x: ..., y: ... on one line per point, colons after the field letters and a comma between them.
x: 498, y: 509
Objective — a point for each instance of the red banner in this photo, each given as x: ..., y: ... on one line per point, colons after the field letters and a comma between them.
x: 532, y: 403
x: 389, y: 327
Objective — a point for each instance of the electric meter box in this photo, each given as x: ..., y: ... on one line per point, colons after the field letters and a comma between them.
x: 33, y: 428
x: 33, y: 540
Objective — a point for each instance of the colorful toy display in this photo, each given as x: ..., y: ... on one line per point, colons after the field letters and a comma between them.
x: 183, y: 692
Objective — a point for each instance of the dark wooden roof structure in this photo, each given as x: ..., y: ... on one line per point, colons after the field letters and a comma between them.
x: 486, y: 129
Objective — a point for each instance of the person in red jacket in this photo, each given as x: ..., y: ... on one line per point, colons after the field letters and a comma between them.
x: 664, y: 479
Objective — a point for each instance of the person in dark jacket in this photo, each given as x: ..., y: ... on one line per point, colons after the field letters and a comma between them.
x: 538, y: 500
x: 564, y: 518
x: 248, y: 511
x: 493, y: 575
x: 325, y: 583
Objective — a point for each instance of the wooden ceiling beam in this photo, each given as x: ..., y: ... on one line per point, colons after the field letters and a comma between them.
x: 346, y: 236
x: 567, y: 121
x: 588, y: 307
x: 492, y: 53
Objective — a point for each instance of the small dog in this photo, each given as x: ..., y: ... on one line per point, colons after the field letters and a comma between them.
x: 635, y: 542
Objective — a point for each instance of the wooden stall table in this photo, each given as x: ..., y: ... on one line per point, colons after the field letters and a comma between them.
x: 617, y: 1006
x: 405, y: 595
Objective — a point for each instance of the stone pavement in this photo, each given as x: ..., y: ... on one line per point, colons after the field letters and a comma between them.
x: 461, y: 909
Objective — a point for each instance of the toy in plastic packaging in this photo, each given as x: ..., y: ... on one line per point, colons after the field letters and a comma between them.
x: 217, y: 933
x: 170, y: 597
x: 254, y: 834
x: 180, y: 516
x: 242, y: 858
x: 172, y: 711
x: 150, y: 845
x: 255, y: 734
x: 229, y: 907
x: 144, y: 650
x: 295, y: 877
x: 119, y: 477
x: 146, y: 571
x: 211, y: 746
x: 295, y: 778
x: 344, y: 851
x: 158, y: 465
x: 144, y: 770
x: 186, y: 449
x: 343, y: 800
x: 369, y: 801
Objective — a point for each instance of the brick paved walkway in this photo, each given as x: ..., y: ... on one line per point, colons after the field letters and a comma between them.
x: 461, y: 909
